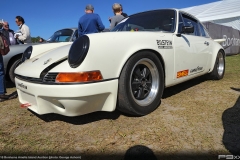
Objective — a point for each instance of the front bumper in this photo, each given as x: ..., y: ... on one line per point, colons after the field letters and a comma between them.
x: 68, y: 100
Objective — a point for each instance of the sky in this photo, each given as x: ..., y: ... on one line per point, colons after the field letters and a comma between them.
x: 44, y: 17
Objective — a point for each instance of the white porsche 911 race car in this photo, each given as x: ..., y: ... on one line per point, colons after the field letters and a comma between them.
x: 127, y: 68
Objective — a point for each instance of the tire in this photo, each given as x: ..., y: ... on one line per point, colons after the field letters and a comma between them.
x: 141, y: 84
x: 219, y: 67
x: 14, y: 65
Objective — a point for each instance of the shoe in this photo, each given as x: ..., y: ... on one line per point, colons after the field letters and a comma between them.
x: 13, y: 96
x: 1, y: 100
x: 3, y: 96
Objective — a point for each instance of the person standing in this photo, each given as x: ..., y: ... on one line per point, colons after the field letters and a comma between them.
x: 117, y: 9
x: 41, y: 40
x: 123, y: 14
x: 8, y: 34
x: 25, y: 36
x: 3, y: 97
x: 90, y: 22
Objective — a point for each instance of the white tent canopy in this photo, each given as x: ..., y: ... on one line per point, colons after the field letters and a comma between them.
x: 224, y: 12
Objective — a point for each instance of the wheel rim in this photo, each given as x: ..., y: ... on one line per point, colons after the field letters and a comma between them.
x: 144, y: 82
x: 220, y: 64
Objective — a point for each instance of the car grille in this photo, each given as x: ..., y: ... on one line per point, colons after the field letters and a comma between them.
x: 30, y: 79
x: 50, y: 77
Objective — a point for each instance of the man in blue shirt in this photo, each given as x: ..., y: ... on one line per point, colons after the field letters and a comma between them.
x: 90, y: 22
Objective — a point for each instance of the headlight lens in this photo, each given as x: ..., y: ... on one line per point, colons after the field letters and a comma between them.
x: 79, y: 77
x: 78, y: 51
x: 27, y: 53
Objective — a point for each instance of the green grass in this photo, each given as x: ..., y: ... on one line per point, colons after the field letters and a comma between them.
x: 232, y: 63
x: 187, y: 121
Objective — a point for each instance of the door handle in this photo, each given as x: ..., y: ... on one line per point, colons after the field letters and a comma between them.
x: 207, y: 43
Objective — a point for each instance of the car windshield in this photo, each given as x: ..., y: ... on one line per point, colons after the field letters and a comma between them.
x: 158, y: 20
x: 61, y: 36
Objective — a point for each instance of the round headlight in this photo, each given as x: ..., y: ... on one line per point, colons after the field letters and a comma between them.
x: 78, y: 51
x: 27, y: 53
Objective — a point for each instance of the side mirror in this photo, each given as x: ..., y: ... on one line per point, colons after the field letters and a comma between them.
x: 187, y: 29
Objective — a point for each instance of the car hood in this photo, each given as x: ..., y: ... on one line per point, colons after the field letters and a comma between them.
x: 40, y: 61
x: 42, y: 58
x: 18, y: 49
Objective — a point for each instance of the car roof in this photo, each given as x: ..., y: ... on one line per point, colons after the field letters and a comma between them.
x: 73, y: 28
x: 154, y: 11
x: 177, y: 10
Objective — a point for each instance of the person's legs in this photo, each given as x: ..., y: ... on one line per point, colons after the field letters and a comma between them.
x: 2, y: 80
x: 2, y: 83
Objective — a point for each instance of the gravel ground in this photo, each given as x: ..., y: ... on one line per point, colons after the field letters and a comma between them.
x: 196, y: 119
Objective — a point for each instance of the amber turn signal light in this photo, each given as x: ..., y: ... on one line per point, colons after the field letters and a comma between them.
x: 79, y: 77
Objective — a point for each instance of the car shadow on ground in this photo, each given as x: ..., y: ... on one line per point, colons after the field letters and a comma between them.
x: 168, y: 92
x: 231, y: 125
x: 80, y: 120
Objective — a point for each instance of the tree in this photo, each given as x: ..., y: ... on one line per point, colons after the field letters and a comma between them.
x: 35, y: 39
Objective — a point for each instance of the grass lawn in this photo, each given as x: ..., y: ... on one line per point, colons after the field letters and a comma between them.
x: 193, y: 119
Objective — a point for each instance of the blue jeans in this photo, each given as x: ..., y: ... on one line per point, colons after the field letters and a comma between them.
x: 2, y: 77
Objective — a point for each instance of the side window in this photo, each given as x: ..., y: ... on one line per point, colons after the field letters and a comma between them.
x: 202, y: 30
x: 64, y: 38
x: 206, y: 32
x: 63, y: 35
x: 189, y: 21
x: 180, y: 23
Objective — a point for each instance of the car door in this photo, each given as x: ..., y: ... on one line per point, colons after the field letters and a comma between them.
x: 191, y: 51
x: 207, y: 41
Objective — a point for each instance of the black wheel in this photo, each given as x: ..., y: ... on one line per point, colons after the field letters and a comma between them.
x: 14, y: 65
x: 219, y: 67
x: 141, y: 84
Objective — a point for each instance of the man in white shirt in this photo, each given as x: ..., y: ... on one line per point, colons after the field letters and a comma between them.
x: 25, y: 37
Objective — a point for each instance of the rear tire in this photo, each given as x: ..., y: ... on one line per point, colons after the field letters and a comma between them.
x: 141, y: 84
x: 14, y: 65
x: 219, y: 67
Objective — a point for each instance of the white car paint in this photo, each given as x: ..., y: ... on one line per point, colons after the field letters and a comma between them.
x: 108, y: 53
x: 68, y: 100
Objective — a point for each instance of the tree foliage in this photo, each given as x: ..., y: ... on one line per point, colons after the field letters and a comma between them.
x: 35, y: 39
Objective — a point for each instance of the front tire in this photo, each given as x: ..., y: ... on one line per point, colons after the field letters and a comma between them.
x: 14, y: 65
x: 141, y: 84
x: 219, y: 67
